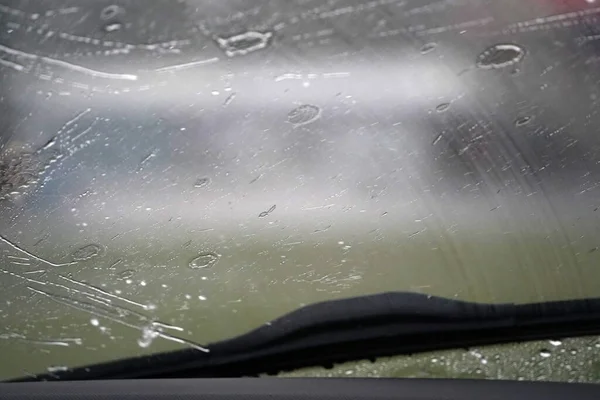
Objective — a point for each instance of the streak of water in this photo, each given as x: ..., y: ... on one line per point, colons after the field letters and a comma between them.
x: 104, y: 292
x: 22, y: 250
x: 102, y: 312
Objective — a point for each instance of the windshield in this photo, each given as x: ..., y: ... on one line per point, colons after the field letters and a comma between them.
x: 177, y: 173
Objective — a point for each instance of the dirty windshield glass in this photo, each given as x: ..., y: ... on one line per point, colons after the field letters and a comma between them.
x: 175, y: 173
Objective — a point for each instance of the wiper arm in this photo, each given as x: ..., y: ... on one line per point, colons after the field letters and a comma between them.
x: 358, y: 328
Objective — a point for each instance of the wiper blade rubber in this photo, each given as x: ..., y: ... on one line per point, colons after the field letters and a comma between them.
x: 357, y: 328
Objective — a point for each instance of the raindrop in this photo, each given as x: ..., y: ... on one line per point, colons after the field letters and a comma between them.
x: 128, y: 273
x: 428, y: 47
x: 555, y: 342
x: 87, y: 252
x: 112, y: 27
x: 437, y: 139
x: 148, y: 335
x: 545, y: 353
x: 110, y: 12
x: 229, y: 99
x: 500, y: 56
x: 201, y: 182
x: 304, y: 114
x: 523, y: 120
x: 269, y: 211
x: 244, y: 43
x: 204, y: 260
x: 94, y: 322
x: 442, y: 107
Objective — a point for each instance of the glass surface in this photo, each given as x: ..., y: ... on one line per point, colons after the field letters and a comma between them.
x: 565, y: 360
x: 174, y: 173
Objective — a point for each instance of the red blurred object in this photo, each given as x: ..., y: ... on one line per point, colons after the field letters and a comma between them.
x: 561, y: 6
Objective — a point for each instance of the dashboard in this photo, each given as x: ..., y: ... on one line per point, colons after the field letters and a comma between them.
x: 298, y: 389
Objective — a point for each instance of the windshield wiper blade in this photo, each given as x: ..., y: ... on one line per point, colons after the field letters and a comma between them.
x: 357, y: 328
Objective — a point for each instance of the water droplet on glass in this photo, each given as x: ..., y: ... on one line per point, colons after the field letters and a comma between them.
x: 428, y: 47
x: 267, y: 212
x: 500, y: 56
x: 202, y: 182
x: 112, y: 27
x: 87, y: 252
x: 148, y: 335
x: 242, y: 44
x: 442, y: 107
x: 545, y: 353
x: 229, y: 99
x: 304, y: 114
x: 555, y: 342
x: 110, y: 12
x: 204, y: 260
x: 128, y: 273
x: 523, y: 120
